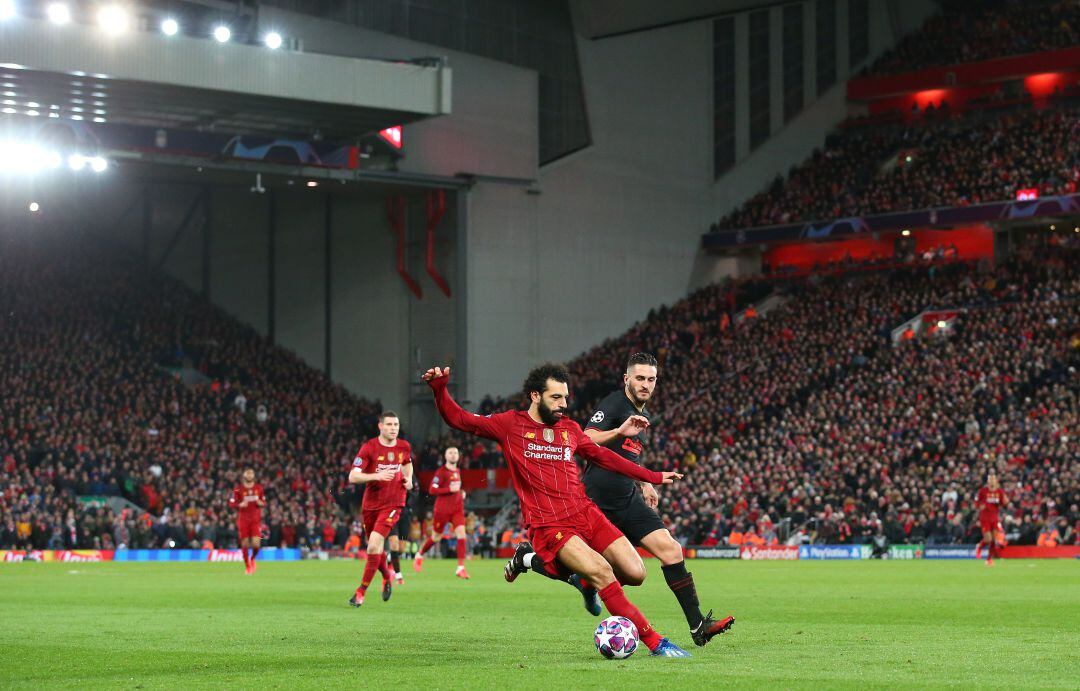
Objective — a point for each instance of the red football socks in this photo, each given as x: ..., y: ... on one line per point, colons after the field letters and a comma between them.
x: 247, y: 557
x: 370, y: 568
x: 461, y: 552
x: 428, y: 544
x: 618, y: 605
x: 254, y: 553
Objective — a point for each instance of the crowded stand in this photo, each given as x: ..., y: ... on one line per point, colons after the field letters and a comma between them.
x: 984, y: 30
x: 802, y: 423
x: 955, y: 161
x: 93, y: 357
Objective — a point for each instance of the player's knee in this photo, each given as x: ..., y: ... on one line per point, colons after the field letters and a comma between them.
x: 670, y: 552
x: 633, y: 574
x: 599, y: 574
x: 459, y: 532
x: 375, y: 543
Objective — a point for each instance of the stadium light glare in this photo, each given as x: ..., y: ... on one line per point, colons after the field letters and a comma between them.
x: 7, y: 9
x: 34, y: 207
x: 942, y: 324
x: 905, y: 232
x: 272, y: 40
x: 312, y: 183
x: 1053, y: 227
x: 8, y: 111
x: 33, y: 113
x: 222, y: 33
x: 58, y: 13
x: 76, y: 162
x: 98, y: 164
x: 113, y: 19
x: 170, y: 27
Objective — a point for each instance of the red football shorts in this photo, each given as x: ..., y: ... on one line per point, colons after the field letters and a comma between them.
x: 454, y: 518
x: 590, y: 524
x: 380, y: 521
x: 988, y: 525
x: 249, y: 527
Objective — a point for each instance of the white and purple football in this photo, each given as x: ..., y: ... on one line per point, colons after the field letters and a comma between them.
x: 616, y: 638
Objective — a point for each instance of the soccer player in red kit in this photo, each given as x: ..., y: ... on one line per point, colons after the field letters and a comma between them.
x: 449, y: 508
x: 248, y: 499
x: 385, y: 465
x: 568, y: 532
x: 989, y: 500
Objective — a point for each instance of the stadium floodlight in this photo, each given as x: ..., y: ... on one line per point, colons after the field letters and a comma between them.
x: 58, y: 13
x: 7, y: 9
x: 34, y: 207
x: 113, y: 19
x: 222, y: 33
x: 33, y: 113
x: 170, y: 27
x: 98, y: 164
x: 942, y: 324
x: 53, y: 159
x: 272, y: 40
x: 76, y: 162
x: 312, y: 183
x: 1053, y: 227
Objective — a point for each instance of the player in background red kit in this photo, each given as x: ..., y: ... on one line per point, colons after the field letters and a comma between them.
x: 569, y: 534
x: 385, y: 465
x: 449, y: 508
x: 989, y: 500
x: 248, y: 499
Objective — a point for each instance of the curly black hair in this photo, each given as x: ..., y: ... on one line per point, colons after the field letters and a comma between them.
x: 538, y: 377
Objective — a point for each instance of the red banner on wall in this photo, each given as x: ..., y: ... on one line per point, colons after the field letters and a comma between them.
x: 1021, y: 552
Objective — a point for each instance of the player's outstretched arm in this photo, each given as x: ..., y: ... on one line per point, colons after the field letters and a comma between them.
x: 606, y: 458
x: 437, y: 378
x: 435, y: 490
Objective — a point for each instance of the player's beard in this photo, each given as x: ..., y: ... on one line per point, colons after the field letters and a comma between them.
x: 547, y: 415
x: 635, y: 399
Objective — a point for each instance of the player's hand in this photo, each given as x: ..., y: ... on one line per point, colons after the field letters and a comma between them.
x: 652, y: 499
x: 384, y: 475
x: 408, y: 483
x: 435, y: 373
x: 670, y: 478
x: 632, y: 426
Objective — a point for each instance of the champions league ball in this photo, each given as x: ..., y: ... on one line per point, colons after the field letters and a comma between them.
x: 616, y: 638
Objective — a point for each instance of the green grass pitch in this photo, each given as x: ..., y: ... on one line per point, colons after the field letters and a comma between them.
x: 799, y: 624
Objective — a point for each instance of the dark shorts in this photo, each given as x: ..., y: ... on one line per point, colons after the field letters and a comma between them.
x: 634, y: 518
x: 404, y: 523
x: 589, y: 524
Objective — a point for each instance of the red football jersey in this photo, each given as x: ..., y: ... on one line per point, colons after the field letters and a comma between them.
x: 540, y: 458
x: 990, y: 503
x: 446, y: 488
x: 251, y: 510
x: 373, y: 457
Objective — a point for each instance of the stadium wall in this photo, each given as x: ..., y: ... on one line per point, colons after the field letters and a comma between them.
x: 375, y: 323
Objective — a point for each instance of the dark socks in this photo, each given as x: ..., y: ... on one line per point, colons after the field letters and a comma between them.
x: 682, y: 584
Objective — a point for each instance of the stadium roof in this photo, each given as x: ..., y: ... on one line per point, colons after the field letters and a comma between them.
x: 143, y: 78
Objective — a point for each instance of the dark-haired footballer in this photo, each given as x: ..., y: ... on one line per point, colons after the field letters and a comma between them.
x: 631, y: 506
x: 384, y: 464
x: 571, y: 535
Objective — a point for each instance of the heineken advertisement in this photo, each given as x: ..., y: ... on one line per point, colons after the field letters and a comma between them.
x: 90, y: 500
x: 905, y: 551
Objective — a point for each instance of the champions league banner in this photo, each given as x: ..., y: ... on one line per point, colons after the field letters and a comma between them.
x: 927, y: 218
